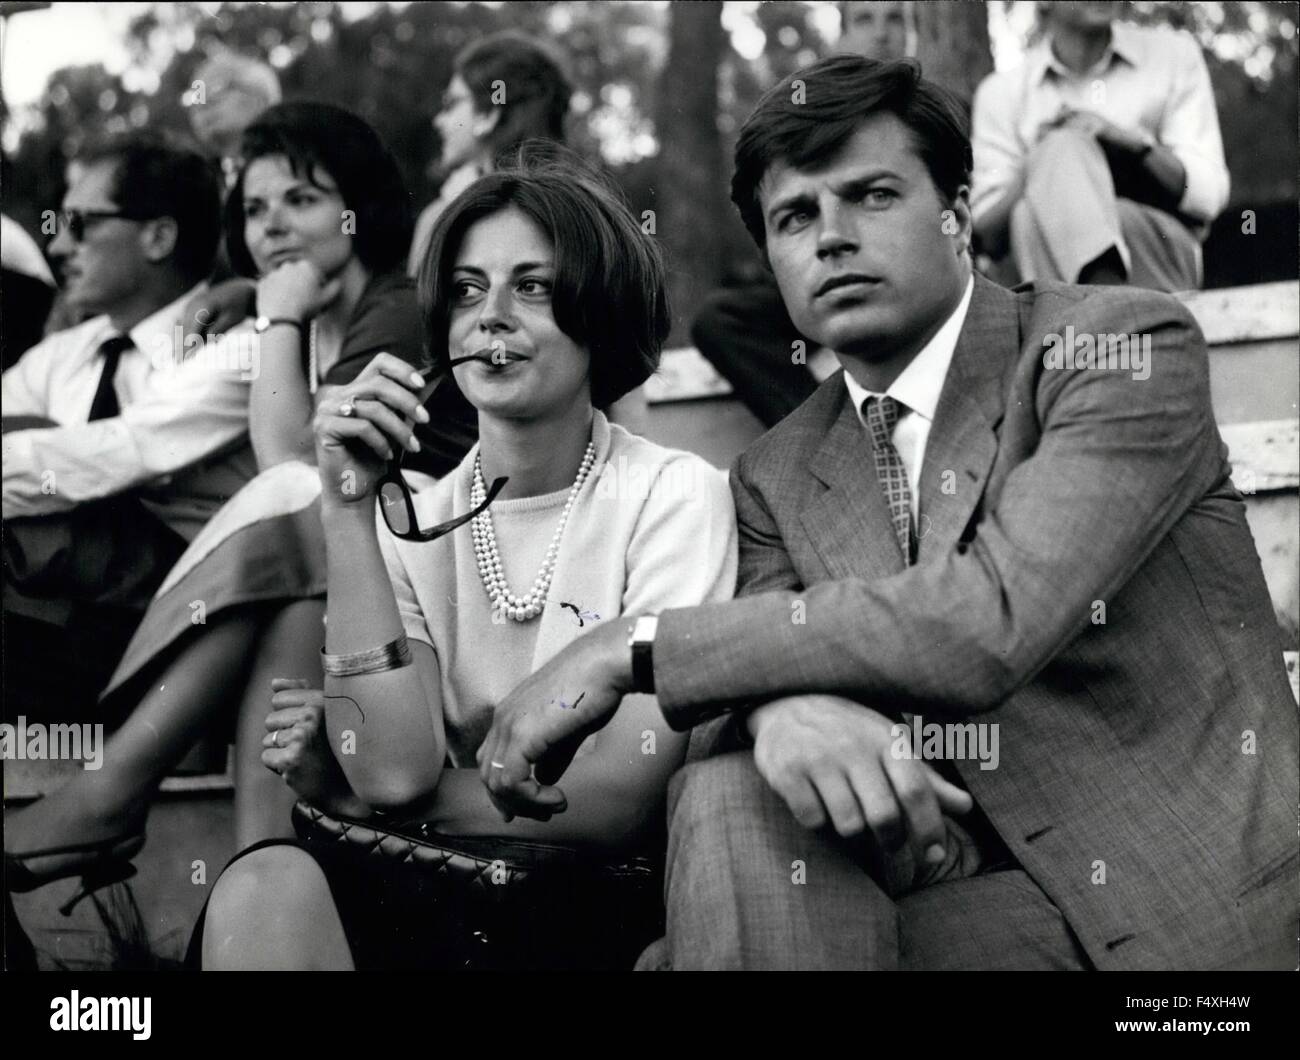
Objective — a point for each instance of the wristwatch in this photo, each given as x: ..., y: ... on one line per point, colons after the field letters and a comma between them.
x: 263, y: 324
x: 641, y: 639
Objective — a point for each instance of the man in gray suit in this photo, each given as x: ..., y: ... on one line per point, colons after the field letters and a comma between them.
x: 1002, y: 643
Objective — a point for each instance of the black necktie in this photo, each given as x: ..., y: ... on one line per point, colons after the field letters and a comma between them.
x: 105, y: 405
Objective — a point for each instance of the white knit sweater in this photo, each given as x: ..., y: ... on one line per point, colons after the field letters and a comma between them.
x: 651, y: 529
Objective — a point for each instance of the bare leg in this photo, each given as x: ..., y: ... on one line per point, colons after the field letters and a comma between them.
x: 289, y: 647
x: 272, y: 911
x: 98, y: 804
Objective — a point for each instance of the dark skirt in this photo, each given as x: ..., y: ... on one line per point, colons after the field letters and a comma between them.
x: 265, y: 546
x: 397, y: 917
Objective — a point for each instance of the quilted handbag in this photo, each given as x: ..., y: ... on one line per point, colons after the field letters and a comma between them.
x: 492, y: 884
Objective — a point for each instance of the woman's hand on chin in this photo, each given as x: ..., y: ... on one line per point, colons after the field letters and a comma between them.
x: 295, y: 290
x: 362, y: 425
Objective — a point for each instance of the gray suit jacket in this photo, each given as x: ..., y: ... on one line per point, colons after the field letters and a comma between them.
x: 1162, y: 742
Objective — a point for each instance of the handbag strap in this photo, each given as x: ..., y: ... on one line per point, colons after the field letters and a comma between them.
x: 418, y: 841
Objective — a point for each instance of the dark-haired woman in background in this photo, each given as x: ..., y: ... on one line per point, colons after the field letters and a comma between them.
x: 504, y: 89
x: 542, y: 279
x: 319, y: 214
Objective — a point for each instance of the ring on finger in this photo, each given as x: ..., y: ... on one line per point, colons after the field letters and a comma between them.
x: 275, y: 738
x: 348, y: 408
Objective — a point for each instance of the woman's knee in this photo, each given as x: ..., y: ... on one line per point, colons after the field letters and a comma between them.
x: 256, y: 894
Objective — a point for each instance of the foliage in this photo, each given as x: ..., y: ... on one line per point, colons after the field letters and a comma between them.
x: 390, y: 64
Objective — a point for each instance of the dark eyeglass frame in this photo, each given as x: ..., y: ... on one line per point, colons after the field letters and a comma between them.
x: 75, y: 220
x: 393, y: 477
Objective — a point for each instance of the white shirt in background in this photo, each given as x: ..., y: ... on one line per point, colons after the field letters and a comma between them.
x: 1152, y: 79
x: 181, y: 437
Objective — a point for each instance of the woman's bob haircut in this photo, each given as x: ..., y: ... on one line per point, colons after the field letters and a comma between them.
x: 609, y: 293
x: 321, y: 136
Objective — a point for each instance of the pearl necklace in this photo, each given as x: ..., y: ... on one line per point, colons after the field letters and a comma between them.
x: 528, y: 606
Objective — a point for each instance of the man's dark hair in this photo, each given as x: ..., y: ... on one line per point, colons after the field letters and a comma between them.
x: 536, y: 90
x: 609, y: 292
x: 154, y: 177
x: 322, y: 136
x: 805, y: 125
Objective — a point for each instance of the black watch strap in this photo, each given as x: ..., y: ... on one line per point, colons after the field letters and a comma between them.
x: 643, y: 668
x: 641, y: 640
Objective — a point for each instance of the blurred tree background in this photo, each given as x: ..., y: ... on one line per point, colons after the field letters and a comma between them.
x: 662, y: 90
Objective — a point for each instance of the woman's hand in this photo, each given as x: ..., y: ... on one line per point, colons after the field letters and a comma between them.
x: 296, y: 747
x: 351, y: 450
x: 296, y: 290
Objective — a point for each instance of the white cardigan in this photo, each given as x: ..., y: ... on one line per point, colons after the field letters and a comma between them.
x: 651, y: 529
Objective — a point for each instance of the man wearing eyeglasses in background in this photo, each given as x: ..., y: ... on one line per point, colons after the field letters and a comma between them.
x: 117, y: 446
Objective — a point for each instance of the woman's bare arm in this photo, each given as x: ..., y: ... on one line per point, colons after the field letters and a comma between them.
x: 614, y: 793
x: 385, y: 728
x: 279, y: 403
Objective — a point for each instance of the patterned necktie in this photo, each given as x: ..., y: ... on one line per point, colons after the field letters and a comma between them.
x: 881, y: 416
x: 105, y: 406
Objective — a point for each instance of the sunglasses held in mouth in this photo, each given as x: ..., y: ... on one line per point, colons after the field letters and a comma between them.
x: 398, y: 505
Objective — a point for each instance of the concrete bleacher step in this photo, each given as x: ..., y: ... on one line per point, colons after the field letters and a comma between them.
x: 189, y: 839
x: 1251, y: 332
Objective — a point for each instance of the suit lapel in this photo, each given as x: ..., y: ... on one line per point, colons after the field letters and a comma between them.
x: 962, y: 444
x: 849, y: 524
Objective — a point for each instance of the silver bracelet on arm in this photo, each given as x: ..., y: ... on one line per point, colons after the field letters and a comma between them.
x: 391, y: 656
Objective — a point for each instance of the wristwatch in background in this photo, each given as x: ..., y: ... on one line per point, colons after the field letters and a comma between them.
x: 263, y: 324
x: 641, y: 639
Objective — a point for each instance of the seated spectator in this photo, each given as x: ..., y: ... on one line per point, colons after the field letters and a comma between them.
x: 232, y: 92
x: 478, y: 124
x: 547, y: 269
x: 876, y: 29
x: 1099, y: 159
x: 63, y: 313
x: 245, y: 602
x: 745, y: 331
x: 227, y: 93
x: 117, y: 450
x: 1079, y: 489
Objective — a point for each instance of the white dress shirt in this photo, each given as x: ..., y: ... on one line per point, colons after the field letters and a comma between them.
x: 917, y: 388
x: 1149, y: 78
x: 181, y: 437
